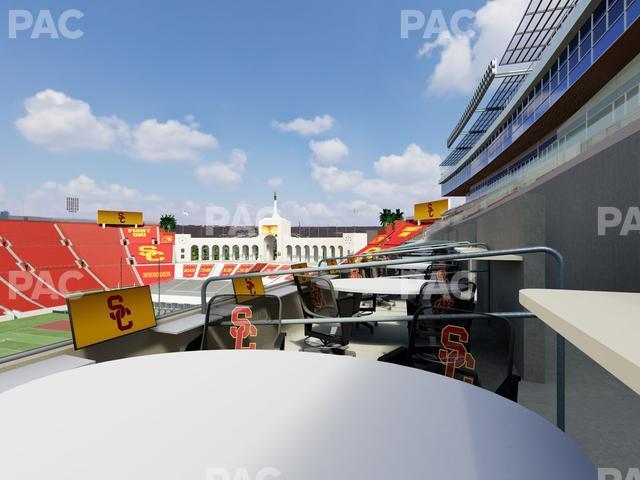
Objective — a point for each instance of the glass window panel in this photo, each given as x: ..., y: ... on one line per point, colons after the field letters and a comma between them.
x: 573, y: 60
x: 632, y: 99
x: 585, y: 46
x: 618, y: 109
x: 563, y: 57
x: 615, y: 10
x: 599, y: 29
x: 573, y: 45
x: 599, y: 11
x: 600, y: 120
x: 585, y: 30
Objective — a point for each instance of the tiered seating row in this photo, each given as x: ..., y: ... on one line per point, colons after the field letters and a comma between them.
x: 46, y: 261
x: 103, y: 252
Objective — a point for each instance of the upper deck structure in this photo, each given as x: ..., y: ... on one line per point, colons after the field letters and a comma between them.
x: 569, y: 73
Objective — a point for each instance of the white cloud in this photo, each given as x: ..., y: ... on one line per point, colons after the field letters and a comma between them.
x: 306, y: 127
x: 275, y: 182
x: 61, y: 123
x: 49, y: 199
x: 328, y: 151
x: 358, y: 212
x: 414, y: 163
x: 172, y: 140
x: 465, y: 57
x: 224, y: 174
x: 402, y: 179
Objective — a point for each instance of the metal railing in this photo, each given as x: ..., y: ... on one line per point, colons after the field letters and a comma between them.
x: 557, y: 256
x: 426, y: 246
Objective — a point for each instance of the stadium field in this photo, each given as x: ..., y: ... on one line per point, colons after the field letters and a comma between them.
x: 29, y: 333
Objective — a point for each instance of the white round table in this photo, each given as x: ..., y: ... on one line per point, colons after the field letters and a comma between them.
x: 274, y: 415
x: 391, y: 286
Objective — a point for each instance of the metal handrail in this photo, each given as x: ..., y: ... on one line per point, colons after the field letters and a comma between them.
x: 385, y: 319
x: 557, y: 256
x: 414, y: 247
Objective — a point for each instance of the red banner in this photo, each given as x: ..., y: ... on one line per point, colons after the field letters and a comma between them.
x: 270, y: 268
x: 280, y: 278
x: 167, y: 237
x: 150, y: 273
x: 244, y: 268
x: 205, y: 270
x: 258, y: 267
x: 189, y: 271
x: 140, y: 235
x: 227, y: 269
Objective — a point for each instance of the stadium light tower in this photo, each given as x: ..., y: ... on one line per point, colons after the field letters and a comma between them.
x: 73, y: 205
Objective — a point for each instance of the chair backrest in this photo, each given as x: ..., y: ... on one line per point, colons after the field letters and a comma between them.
x: 318, y: 298
x: 244, y: 333
x: 478, y: 351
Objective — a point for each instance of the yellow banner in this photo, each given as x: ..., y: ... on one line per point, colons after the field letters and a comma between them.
x: 332, y: 263
x: 248, y: 288
x: 430, y: 210
x: 109, y: 217
x: 98, y: 317
x: 269, y: 229
x: 303, y: 278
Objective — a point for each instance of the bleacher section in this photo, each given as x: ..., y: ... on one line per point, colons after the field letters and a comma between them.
x: 39, y: 245
x: 42, y: 262
x: 101, y: 248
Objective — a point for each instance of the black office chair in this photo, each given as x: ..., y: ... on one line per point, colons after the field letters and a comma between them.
x: 318, y: 300
x: 359, y: 298
x: 460, y: 296
x: 476, y: 351
x: 248, y: 314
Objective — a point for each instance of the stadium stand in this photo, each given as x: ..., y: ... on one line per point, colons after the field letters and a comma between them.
x: 101, y: 249
x: 14, y: 300
x: 41, y: 262
x: 24, y: 281
x: 39, y: 245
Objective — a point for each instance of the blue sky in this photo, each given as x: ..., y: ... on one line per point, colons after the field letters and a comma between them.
x: 173, y: 106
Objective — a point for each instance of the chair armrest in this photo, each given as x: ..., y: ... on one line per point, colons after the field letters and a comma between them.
x: 278, y: 344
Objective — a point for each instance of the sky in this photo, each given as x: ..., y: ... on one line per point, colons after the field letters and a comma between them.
x: 203, y: 109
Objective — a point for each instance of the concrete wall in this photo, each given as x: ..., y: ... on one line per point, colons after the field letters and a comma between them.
x: 561, y: 212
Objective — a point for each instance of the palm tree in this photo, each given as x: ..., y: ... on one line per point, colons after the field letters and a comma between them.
x: 387, y: 217
x: 168, y: 223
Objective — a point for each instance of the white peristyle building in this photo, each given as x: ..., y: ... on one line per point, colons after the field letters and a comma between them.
x: 273, y: 243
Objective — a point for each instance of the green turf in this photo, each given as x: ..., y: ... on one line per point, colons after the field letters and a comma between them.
x: 18, y: 336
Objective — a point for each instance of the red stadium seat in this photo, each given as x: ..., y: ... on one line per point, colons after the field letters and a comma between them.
x: 102, y: 250
x: 42, y: 262
x: 40, y: 245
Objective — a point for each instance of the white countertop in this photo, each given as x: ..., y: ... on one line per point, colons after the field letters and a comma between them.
x: 604, y: 325
x: 381, y: 286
